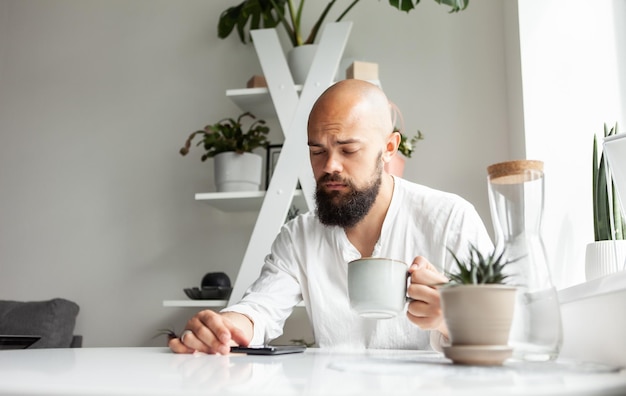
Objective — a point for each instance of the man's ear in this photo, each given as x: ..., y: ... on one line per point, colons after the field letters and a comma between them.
x: 391, y: 146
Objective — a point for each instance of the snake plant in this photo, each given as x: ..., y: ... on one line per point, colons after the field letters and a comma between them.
x: 608, y: 220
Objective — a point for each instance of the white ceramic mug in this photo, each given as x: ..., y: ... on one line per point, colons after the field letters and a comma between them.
x: 377, y: 287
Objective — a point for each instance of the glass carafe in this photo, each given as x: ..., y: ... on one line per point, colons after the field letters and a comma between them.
x: 516, y: 200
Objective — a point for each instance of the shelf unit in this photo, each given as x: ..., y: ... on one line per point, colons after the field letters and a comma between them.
x: 291, y: 104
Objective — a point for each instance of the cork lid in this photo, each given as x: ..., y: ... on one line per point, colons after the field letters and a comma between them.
x: 513, y: 172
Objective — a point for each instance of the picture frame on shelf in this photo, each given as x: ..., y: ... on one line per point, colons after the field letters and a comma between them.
x: 273, y: 152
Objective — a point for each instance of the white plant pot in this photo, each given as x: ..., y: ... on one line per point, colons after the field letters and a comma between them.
x: 478, y: 314
x: 600, y: 258
x: 299, y: 60
x: 238, y: 172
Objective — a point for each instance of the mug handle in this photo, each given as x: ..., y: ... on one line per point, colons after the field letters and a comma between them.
x: 407, y: 299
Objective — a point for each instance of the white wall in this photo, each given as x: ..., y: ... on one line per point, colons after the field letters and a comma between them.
x: 572, y: 85
x: 96, y: 98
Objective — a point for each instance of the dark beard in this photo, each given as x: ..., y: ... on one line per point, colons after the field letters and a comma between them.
x: 335, y: 209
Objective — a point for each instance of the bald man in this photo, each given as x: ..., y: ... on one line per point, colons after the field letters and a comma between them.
x: 361, y: 211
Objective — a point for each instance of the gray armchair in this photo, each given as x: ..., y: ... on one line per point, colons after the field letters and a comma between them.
x: 53, y: 320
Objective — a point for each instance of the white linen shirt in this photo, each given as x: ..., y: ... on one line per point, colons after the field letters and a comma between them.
x: 308, y: 262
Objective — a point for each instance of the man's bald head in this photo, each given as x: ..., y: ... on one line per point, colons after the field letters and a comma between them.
x: 354, y: 101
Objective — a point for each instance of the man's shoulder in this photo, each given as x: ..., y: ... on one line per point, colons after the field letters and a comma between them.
x: 430, y: 202
x: 422, y: 192
x: 304, y: 222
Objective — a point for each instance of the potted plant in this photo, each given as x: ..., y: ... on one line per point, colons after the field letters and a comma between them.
x: 263, y: 14
x: 257, y: 14
x: 236, y: 167
x: 478, y: 307
x: 406, y: 148
x: 608, y: 251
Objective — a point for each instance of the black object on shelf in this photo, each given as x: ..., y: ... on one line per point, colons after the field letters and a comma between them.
x: 208, y: 293
x: 215, y: 279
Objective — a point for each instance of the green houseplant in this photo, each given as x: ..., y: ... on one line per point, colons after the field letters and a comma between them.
x: 478, y: 308
x: 236, y: 167
x: 258, y: 14
x: 608, y: 220
x: 407, y: 146
x: 608, y: 251
x: 227, y: 135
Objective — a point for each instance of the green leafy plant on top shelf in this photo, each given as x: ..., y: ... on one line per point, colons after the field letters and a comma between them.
x: 606, y: 208
x: 479, y: 269
x: 269, y: 13
x: 228, y: 135
x: 407, y: 146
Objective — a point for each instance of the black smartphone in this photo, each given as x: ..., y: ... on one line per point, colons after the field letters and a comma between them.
x: 268, y: 349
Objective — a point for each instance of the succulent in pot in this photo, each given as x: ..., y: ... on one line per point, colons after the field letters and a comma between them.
x: 478, y: 307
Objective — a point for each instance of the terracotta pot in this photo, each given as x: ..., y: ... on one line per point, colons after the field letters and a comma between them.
x: 396, y: 165
x: 478, y: 314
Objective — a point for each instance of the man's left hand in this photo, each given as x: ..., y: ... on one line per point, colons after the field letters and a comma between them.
x: 425, y: 309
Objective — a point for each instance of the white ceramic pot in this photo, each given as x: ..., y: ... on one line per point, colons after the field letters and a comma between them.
x: 478, y: 314
x: 299, y: 60
x: 600, y: 258
x: 238, y: 172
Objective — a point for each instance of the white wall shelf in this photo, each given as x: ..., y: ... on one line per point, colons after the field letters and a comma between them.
x: 244, y: 201
x: 255, y: 100
x: 258, y: 100
x: 195, y: 303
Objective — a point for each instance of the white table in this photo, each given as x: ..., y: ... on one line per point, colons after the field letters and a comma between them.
x: 156, y: 371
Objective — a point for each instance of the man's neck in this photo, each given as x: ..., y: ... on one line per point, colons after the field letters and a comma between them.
x: 366, y: 233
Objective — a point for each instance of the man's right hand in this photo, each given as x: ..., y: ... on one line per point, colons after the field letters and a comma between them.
x: 212, y: 332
